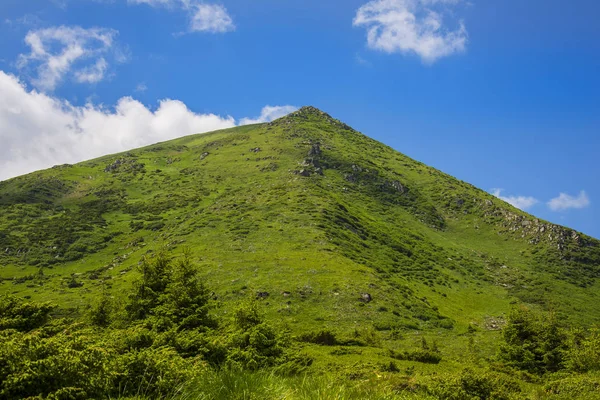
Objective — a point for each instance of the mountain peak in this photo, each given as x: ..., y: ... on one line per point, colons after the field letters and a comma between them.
x: 311, y: 110
x: 311, y: 113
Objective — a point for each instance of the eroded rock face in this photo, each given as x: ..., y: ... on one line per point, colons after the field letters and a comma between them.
x: 311, y: 165
x: 397, y: 186
x: 533, y: 228
x: 124, y: 165
x: 315, y: 150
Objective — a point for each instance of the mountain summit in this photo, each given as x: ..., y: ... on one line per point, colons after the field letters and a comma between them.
x: 332, y: 227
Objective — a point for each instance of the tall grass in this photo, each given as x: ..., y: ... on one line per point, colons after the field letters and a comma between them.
x: 245, y: 385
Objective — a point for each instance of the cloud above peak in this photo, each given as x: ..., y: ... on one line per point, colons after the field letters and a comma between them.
x: 411, y: 27
x: 268, y: 114
x: 59, y: 52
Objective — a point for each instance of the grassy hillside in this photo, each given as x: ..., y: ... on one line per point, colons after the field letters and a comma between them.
x: 333, y: 231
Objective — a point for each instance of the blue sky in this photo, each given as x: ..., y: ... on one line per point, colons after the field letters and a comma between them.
x: 503, y: 94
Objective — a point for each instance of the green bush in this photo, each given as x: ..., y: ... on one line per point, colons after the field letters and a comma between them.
x: 21, y: 315
x: 324, y: 337
x: 475, y: 385
x: 583, y: 354
x: 153, y: 373
x: 574, y: 387
x: 421, y: 355
x: 169, y: 294
x: 253, y: 343
x: 533, y: 342
x: 70, y: 363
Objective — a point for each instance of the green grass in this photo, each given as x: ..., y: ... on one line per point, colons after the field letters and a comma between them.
x: 435, y: 254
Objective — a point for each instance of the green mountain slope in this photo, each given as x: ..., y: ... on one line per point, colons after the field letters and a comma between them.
x: 332, y: 228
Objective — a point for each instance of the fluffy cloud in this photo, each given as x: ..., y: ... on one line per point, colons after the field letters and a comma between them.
x: 38, y: 130
x: 211, y: 18
x: 565, y: 202
x: 520, y: 202
x: 411, y: 26
x: 203, y: 17
x: 268, y: 114
x: 61, y: 51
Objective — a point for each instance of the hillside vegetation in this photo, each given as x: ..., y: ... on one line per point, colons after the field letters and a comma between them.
x: 293, y: 259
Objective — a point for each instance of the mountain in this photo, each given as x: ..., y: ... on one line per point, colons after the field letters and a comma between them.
x: 334, y: 228
x: 379, y: 276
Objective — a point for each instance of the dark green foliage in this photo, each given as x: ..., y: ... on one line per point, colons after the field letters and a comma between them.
x: 574, y: 387
x: 50, y: 366
x: 79, y: 363
x: 323, y: 337
x: 145, y: 297
x: 15, y: 313
x: 170, y: 294
x: 533, y: 342
x: 185, y: 301
x: 423, y: 356
x: 152, y: 356
x: 153, y: 372
x: 583, y: 354
x: 253, y: 343
x: 100, y: 313
x: 476, y: 385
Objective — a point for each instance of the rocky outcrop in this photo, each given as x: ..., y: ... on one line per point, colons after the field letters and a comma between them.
x: 532, y: 228
x: 307, y: 113
x: 124, y: 165
x: 311, y: 165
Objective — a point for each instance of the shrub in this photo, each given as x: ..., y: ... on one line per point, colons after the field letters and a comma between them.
x: 253, y: 343
x: 323, y: 337
x: 152, y: 373
x: 21, y: 315
x: 533, y: 342
x: 422, y: 356
x: 169, y: 294
x: 476, y: 386
x: 583, y: 354
x: 574, y: 387
x: 100, y: 313
x: 68, y: 363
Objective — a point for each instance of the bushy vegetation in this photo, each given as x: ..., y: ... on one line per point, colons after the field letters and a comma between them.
x: 319, y: 261
x: 160, y: 340
x: 533, y: 342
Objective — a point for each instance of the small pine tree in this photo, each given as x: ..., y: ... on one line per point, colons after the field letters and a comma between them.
x: 533, y: 342
x: 155, y: 277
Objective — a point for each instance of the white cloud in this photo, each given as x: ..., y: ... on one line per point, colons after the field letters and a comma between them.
x: 203, y: 17
x: 520, y: 202
x: 92, y: 74
x: 38, y: 131
x: 565, y: 202
x: 141, y: 87
x: 411, y: 26
x: 268, y: 114
x: 59, y: 51
x: 211, y: 18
